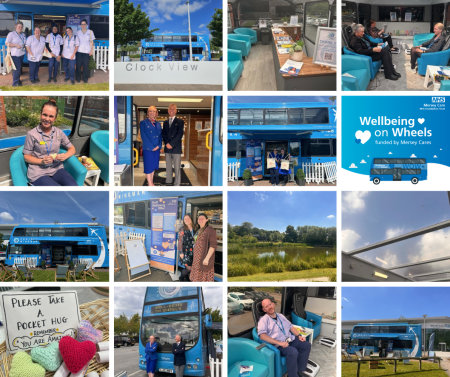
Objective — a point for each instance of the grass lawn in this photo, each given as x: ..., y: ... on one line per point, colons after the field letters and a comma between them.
x: 49, y: 276
x: 287, y: 275
x: 428, y: 370
x: 35, y: 88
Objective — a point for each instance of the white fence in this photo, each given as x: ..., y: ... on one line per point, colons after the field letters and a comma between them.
x: 120, y: 238
x: 3, y: 50
x: 30, y: 262
x: 320, y: 172
x: 233, y: 171
x: 215, y: 366
x: 101, y: 57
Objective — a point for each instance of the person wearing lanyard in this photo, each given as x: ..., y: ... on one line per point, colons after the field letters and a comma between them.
x: 35, y: 48
x: 69, y: 50
x: 85, y: 50
x: 151, y: 137
x: 41, y: 151
x: 275, y: 329
x: 54, y: 45
x: 16, y: 41
x: 186, y: 245
x: 284, y: 173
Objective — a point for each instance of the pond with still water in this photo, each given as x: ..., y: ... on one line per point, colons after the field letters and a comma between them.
x: 293, y: 253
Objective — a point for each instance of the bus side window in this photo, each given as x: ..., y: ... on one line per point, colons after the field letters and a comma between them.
x: 8, y: 21
x: 315, y: 10
x: 95, y: 115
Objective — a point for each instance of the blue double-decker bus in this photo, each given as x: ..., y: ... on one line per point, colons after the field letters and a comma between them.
x: 171, y: 311
x: 398, y: 169
x: 306, y: 130
x: 386, y: 338
x: 58, y: 244
x: 170, y: 47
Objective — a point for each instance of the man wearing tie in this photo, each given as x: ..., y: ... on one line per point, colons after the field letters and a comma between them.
x: 173, y: 130
x: 179, y: 358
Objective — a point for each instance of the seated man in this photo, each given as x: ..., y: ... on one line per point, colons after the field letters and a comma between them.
x: 363, y: 46
x: 275, y: 329
x: 435, y: 44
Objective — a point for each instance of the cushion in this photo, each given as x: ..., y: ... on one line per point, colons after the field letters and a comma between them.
x: 234, y: 67
x: 361, y: 76
x: 259, y: 370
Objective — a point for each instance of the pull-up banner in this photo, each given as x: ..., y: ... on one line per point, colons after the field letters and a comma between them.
x: 164, y: 215
x: 254, y: 160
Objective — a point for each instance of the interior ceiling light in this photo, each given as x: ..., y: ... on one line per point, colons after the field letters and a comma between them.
x: 180, y: 99
x: 46, y: 15
x: 380, y: 275
x: 381, y: 260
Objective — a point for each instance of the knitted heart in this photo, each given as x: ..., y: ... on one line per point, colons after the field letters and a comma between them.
x: 87, y: 332
x: 76, y: 354
x: 48, y: 357
x: 23, y: 366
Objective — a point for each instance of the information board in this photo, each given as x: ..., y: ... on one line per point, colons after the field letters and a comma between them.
x: 254, y: 159
x: 164, y: 214
x: 325, y: 51
x: 74, y: 21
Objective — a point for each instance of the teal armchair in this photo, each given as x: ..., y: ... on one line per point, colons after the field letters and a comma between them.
x: 359, y: 68
x: 248, y: 32
x: 235, y: 67
x: 19, y: 167
x: 242, y: 351
x: 99, y: 152
x: 421, y: 38
x: 445, y: 85
x: 241, y: 43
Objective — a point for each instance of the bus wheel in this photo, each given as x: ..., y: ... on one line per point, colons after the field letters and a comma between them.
x: 376, y: 181
x: 415, y: 181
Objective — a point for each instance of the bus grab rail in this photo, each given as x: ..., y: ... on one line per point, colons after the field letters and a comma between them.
x: 207, y: 139
x: 137, y: 156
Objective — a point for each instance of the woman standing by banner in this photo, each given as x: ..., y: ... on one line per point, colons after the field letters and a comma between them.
x: 186, y: 245
x: 16, y: 41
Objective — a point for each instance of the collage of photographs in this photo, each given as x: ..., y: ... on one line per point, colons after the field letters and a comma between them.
x: 325, y: 233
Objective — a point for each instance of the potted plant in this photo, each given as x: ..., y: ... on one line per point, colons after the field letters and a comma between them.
x: 296, y: 51
x: 71, y: 266
x: 285, y: 20
x: 247, y: 177
x: 300, y: 177
x: 91, y: 66
x: 43, y: 265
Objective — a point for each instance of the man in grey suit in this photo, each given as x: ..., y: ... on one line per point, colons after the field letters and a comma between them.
x: 172, y: 133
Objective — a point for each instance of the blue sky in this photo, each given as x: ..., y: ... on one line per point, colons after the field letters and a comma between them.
x: 170, y: 16
x: 28, y: 207
x: 278, y: 99
x: 393, y: 302
x: 369, y: 217
x: 275, y: 210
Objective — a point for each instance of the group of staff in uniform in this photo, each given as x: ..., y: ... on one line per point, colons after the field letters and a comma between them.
x: 74, y: 48
x: 277, y: 171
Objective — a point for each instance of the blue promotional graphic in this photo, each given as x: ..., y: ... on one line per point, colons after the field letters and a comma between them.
x: 162, y: 293
x: 164, y: 212
x: 395, y: 146
x: 254, y: 161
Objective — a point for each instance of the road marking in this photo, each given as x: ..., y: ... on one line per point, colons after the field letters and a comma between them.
x: 133, y: 373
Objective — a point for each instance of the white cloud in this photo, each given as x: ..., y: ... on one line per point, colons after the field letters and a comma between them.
x: 345, y: 299
x: 435, y: 156
x: 201, y: 26
x: 391, y: 233
x: 390, y: 153
x: 27, y: 219
x: 167, y: 17
x: 289, y: 192
x: 349, y: 239
x: 353, y: 166
x: 182, y: 9
x: 413, y: 156
x: 353, y: 201
x: 363, y: 162
x: 261, y: 197
x: 330, y: 216
x: 432, y: 245
x: 5, y: 216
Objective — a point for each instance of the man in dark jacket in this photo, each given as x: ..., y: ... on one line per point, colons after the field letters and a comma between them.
x: 435, y: 44
x: 172, y: 134
x: 363, y: 46
x: 179, y: 358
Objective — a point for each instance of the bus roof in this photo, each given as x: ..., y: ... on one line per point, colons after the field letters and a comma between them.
x: 275, y: 105
x: 183, y: 34
x: 63, y: 225
x: 383, y: 324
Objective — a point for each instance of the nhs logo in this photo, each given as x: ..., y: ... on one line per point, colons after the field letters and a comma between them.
x: 438, y: 99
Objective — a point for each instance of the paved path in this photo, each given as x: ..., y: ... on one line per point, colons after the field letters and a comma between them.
x: 166, y: 87
x: 266, y: 182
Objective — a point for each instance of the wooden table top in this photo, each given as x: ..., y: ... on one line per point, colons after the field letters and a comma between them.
x: 309, y: 69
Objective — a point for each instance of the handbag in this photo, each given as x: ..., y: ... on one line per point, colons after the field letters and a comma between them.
x: 47, y: 53
x: 285, y: 165
x: 271, y: 163
x: 9, y: 63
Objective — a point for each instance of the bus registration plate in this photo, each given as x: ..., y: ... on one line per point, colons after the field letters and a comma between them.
x: 166, y: 370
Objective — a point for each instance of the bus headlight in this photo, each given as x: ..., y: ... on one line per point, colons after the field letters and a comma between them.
x: 198, y: 359
x: 189, y: 366
x: 195, y: 366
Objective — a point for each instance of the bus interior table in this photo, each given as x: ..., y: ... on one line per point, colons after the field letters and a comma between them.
x: 311, y: 76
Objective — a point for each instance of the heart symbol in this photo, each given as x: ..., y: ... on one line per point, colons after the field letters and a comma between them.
x: 87, y: 332
x: 48, y: 357
x: 23, y: 366
x: 165, y: 245
x: 76, y: 354
x: 358, y: 141
x: 421, y: 120
x: 363, y: 136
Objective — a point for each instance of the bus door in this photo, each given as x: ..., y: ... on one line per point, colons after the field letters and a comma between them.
x: 216, y: 143
x: 176, y: 54
x: 58, y: 254
x: 397, y: 174
x: 437, y: 15
x: 269, y: 146
x: 124, y: 125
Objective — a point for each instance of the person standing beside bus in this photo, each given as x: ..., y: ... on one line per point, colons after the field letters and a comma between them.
x: 179, y: 357
x: 151, y: 143
x: 86, y: 39
x: 173, y: 130
x: 70, y: 47
x: 204, y: 251
x: 186, y: 246
x: 274, y: 173
x: 35, y: 48
x: 16, y: 41
x: 284, y: 173
x: 54, y: 45
x: 151, y: 355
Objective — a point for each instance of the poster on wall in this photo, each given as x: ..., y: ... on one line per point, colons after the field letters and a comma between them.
x: 254, y: 158
x: 325, y: 47
x: 164, y: 216
x: 396, y: 147
x: 36, y: 319
x: 74, y: 21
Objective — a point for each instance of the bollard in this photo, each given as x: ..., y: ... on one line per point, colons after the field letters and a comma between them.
x: 420, y: 364
x: 395, y: 366
x: 359, y: 366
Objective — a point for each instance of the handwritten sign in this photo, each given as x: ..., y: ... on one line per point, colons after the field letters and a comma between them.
x: 36, y: 319
x: 177, y: 307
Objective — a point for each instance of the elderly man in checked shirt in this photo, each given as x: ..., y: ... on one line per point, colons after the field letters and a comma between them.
x: 275, y: 329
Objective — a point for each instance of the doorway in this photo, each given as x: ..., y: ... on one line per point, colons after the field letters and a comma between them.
x: 58, y: 253
x: 269, y: 147
x: 176, y: 53
x: 397, y: 174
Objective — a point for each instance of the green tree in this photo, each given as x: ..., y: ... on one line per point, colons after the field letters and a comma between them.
x: 216, y: 29
x: 130, y: 24
x: 216, y: 316
x: 290, y: 234
x: 121, y: 324
x: 134, y: 325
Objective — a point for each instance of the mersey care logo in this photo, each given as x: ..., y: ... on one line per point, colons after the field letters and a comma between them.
x: 438, y: 99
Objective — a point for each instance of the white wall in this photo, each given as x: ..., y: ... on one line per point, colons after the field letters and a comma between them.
x: 320, y: 305
x: 424, y: 27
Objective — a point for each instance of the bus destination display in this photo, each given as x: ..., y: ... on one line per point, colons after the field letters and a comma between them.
x: 175, y: 307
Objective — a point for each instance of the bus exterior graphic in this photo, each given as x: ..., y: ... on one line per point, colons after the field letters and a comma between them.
x: 171, y: 311
x: 398, y: 169
x: 386, y: 338
x: 58, y: 244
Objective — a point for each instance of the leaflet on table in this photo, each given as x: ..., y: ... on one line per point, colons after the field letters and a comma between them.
x: 304, y: 331
x: 445, y: 71
x: 291, y: 67
x: 283, y: 51
x: 245, y: 370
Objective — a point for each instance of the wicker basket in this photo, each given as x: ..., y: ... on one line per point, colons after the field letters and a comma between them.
x: 96, y: 312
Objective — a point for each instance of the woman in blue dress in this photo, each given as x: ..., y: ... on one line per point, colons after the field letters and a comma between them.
x: 151, y: 356
x: 151, y: 136
x: 284, y: 173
